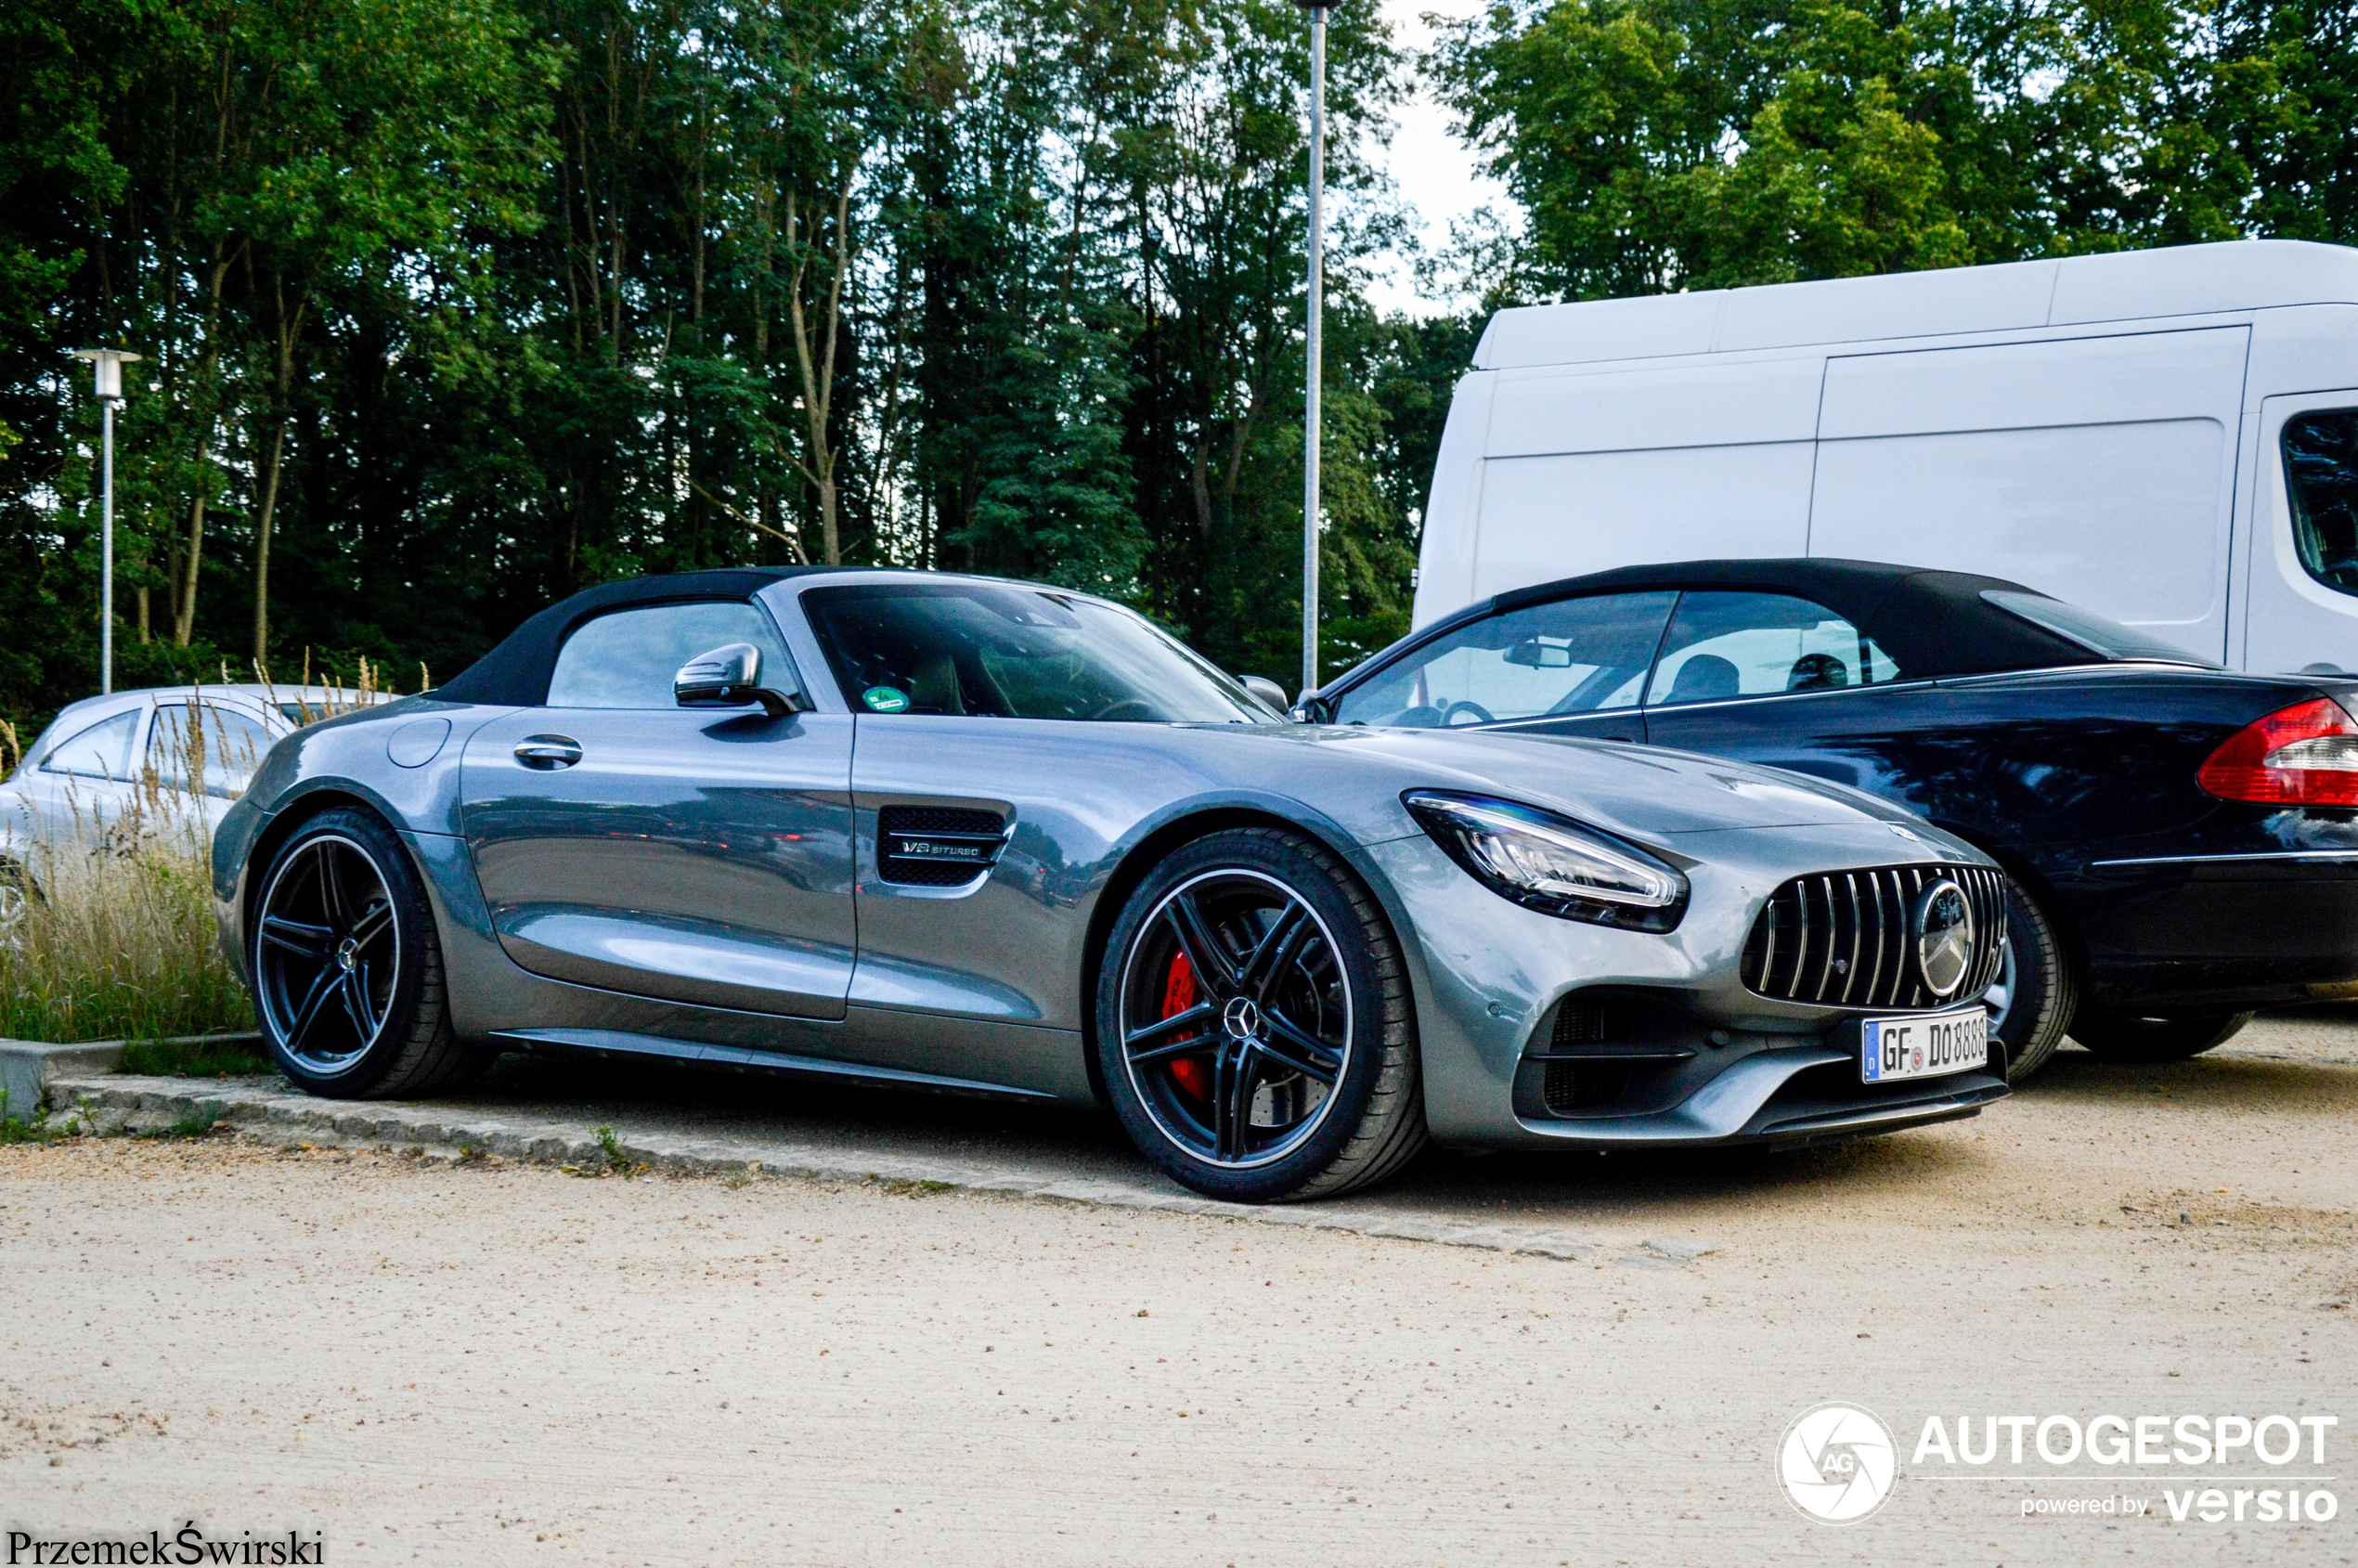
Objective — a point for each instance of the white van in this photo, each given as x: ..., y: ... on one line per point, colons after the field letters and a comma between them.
x: 2167, y: 437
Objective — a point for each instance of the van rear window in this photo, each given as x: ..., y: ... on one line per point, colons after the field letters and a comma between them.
x: 2090, y: 630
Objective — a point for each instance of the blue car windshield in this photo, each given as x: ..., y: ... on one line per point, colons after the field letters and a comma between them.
x: 1011, y: 652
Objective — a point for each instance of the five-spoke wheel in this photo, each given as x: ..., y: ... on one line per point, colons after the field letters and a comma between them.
x: 1236, y: 1019
x: 348, y: 965
x: 1254, y: 1031
x: 326, y: 953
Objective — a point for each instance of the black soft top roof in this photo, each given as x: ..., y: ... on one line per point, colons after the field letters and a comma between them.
x: 515, y: 674
x: 1931, y: 623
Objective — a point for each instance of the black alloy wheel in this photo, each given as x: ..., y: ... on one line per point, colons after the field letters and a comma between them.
x: 347, y: 967
x: 2030, y: 1002
x: 1254, y: 1032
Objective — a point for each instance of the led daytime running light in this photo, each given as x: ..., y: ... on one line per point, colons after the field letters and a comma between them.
x: 1546, y: 863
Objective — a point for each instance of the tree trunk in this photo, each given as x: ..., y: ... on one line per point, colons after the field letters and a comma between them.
x: 819, y: 371
x: 184, y: 608
x: 262, y: 545
x: 289, y: 326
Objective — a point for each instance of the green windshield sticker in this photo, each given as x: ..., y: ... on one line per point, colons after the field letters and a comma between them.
x: 885, y: 699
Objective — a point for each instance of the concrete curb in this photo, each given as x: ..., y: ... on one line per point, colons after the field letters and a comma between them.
x: 267, y: 1112
x: 29, y: 1066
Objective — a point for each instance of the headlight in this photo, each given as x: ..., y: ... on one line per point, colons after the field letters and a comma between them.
x: 1546, y: 862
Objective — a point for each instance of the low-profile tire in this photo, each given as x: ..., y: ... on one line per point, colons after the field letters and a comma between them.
x: 347, y: 967
x: 1254, y: 1023
x: 2130, y: 1036
x: 2031, y: 1003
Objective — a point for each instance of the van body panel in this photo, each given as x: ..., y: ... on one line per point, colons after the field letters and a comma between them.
x: 1559, y: 516
x: 2103, y: 429
x: 1446, y: 558
x: 1900, y: 304
x: 1540, y: 414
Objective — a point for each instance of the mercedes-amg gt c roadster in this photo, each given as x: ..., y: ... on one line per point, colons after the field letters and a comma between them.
x: 990, y: 838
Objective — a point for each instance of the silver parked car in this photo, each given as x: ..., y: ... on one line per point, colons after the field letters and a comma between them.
x: 990, y: 838
x: 101, y: 757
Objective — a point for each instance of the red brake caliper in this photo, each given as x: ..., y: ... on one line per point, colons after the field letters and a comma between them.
x: 1192, y: 1073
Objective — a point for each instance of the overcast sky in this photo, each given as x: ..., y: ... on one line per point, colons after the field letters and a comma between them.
x: 1434, y: 171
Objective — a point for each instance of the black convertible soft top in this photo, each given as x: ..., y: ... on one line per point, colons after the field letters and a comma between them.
x: 1931, y: 623
x: 515, y: 674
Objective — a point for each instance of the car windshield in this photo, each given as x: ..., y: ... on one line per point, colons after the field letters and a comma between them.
x: 2090, y: 630
x: 1008, y: 652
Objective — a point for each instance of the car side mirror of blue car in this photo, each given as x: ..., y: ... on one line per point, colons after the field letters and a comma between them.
x: 731, y: 677
x: 1268, y: 690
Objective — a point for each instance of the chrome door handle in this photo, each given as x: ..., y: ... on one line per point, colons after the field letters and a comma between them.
x: 547, y: 751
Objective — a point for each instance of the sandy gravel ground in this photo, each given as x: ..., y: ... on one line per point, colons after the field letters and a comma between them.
x: 477, y: 1364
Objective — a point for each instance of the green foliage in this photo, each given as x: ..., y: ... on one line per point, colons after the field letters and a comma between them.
x: 197, y: 1123
x: 450, y: 311
x: 453, y: 311
x: 204, y: 1057
x: 19, y: 1125
x: 1660, y: 145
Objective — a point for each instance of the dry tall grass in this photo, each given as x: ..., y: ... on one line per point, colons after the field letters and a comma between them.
x: 108, y: 932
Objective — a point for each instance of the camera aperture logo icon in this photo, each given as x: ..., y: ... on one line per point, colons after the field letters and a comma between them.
x: 1837, y: 1463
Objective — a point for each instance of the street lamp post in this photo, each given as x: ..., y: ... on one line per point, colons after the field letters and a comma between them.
x: 1318, y: 9
x: 105, y: 365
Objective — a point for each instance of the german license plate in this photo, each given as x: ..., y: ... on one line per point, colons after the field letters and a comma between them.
x: 1924, y: 1046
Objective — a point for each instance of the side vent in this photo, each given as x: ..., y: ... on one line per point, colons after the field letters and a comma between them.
x: 937, y: 846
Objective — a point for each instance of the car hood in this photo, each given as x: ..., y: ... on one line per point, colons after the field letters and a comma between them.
x: 1641, y: 791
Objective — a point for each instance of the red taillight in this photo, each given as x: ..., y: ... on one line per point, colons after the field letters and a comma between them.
x: 2306, y: 754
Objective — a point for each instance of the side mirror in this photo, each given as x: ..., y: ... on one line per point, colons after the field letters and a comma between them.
x: 1268, y: 690
x: 731, y: 677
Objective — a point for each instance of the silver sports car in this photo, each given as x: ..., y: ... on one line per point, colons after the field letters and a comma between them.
x: 989, y: 837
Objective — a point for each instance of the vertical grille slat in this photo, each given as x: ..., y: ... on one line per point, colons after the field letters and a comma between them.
x: 1858, y: 920
x: 1801, y: 940
x: 1876, y: 976
x: 1813, y: 942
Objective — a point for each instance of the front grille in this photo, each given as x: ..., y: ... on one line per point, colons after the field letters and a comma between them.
x: 937, y: 846
x: 1583, y: 1085
x: 1844, y: 937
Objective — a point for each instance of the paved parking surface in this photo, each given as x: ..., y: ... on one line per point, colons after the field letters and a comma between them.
x: 457, y: 1361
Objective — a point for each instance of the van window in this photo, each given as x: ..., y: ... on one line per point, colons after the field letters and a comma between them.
x: 2321, y: 475
x: 1758, y: 644
x: 1574, y: 656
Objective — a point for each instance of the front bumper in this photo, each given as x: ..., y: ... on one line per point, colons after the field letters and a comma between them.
x: 1714, y: 1063
x: 1782, y: 1096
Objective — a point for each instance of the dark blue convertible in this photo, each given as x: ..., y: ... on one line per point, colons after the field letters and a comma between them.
x: 2183, y: 840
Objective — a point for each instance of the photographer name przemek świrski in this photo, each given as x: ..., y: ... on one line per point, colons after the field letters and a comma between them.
x: 190, y: 1545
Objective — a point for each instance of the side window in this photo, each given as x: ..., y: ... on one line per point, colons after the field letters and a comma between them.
x: 628, y: 658
x: 1574, y: 656
x: 2320, y: 475
x: 103, y: 751
x: 1755, y: 645
x: 214, y: 756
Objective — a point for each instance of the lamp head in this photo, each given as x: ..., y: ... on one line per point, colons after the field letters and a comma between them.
x: 106, y: 365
